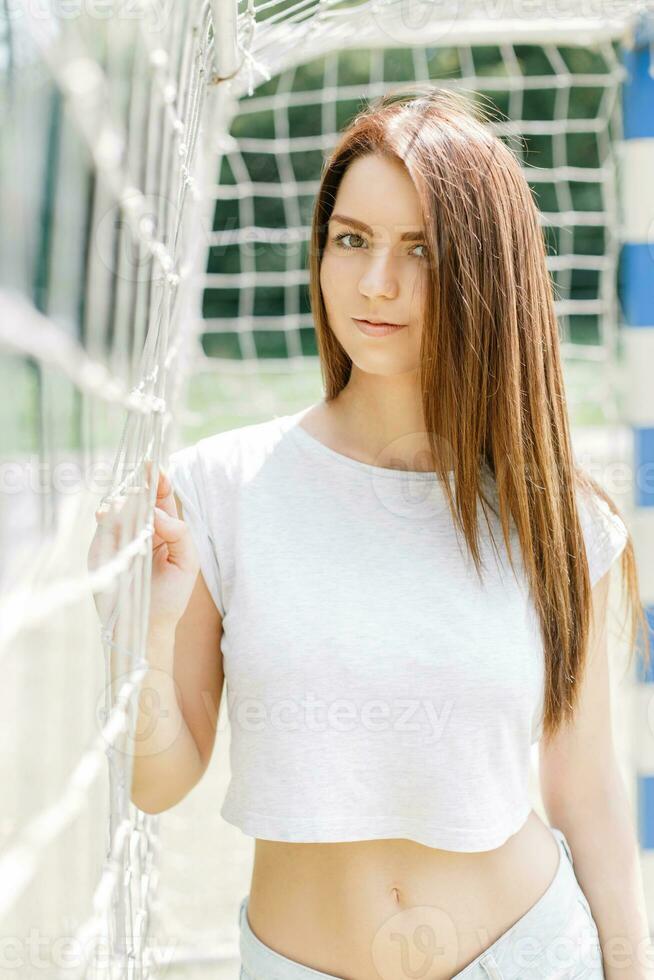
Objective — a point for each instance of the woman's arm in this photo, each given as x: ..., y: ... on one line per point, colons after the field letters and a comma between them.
x: 584, y: 795
x: 180, y: 694
x: 179, y: 703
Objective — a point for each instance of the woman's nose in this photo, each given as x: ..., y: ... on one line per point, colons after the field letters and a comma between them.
x: 379, y: 278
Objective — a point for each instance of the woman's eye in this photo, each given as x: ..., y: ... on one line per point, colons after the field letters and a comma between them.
x: 347, y: 234
x: 424, y: 255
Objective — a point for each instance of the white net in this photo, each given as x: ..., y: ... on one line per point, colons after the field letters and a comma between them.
x: 554, y: 96
x: 272, y: 33
x: 132, y: 300
x: 99, y: 249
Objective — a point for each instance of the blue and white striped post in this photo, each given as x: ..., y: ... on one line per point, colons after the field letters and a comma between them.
x: 637, y: 301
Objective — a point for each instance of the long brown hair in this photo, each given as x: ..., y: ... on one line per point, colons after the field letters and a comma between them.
x: 490, y: 373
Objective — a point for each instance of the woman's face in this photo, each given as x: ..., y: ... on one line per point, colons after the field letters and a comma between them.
x: 375, y: 265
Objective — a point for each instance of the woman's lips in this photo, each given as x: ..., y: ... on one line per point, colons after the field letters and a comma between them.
x: 377, y: 329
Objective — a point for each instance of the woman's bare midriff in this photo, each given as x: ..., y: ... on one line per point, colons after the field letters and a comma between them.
x: 361, y: 910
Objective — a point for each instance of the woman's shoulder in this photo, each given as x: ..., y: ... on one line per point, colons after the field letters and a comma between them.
x: 230, y: 450
x: 604, y: 530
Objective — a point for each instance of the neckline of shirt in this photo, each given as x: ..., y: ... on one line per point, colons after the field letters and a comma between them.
x: 301, y: 435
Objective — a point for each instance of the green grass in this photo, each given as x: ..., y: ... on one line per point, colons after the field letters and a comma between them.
x: 213, y: 401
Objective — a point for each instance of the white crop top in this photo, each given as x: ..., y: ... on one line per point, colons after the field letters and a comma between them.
x: 375, y: 688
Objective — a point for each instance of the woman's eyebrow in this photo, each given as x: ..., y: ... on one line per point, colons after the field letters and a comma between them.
x: 407, y: 236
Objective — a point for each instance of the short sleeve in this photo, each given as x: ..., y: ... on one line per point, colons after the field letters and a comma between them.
x: 605, y: 535
x: 188, y: 480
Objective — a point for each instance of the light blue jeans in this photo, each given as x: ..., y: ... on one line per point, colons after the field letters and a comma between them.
x: 556, y: 939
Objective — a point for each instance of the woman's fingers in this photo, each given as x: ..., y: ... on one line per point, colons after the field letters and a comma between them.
x: 118, y: 517
x: 165, y: 495
x: 174, y: 533
x: 174, y: 568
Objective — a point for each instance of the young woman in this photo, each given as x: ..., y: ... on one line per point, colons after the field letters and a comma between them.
x: 405, y: 587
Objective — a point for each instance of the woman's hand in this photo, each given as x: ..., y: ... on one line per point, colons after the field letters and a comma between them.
x: 175, y: 563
